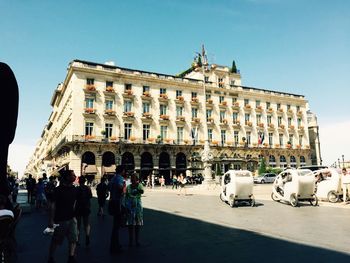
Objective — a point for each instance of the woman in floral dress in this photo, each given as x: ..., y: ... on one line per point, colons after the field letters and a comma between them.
x: 134, y: 209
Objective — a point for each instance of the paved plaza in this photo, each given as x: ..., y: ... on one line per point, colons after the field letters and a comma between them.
x: 200, y: 227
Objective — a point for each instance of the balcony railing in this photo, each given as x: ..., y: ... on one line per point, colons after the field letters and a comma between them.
x: 89, y: 110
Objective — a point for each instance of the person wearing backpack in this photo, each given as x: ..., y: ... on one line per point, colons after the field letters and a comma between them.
x: 83, y: 206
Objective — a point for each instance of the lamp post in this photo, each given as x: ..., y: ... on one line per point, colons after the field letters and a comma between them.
x: 206, y: 156
x: 338, y: 162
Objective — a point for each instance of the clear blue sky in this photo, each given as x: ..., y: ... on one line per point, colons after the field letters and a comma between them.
x: 294, y: 46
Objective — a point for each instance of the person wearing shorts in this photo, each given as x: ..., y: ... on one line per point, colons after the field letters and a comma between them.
x: 63, y: 214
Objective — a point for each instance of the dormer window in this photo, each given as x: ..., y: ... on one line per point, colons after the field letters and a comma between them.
x: 145, y: 89
x: 127, y: 86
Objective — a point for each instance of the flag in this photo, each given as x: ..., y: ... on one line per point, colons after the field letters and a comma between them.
x: 261, y: 138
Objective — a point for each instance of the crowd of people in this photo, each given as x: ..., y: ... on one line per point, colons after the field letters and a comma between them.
x: 71, y: 209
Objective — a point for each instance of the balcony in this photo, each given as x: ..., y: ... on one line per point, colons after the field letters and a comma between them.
x: 128, y: 94
x: 163, y: 98
x: 248, y: 124
x: 109, y: 90
x: 194, y: 101
x: 151, y: 140
x: 235, y: 107
x: 209, y: 103
x: 146, y: 96
x: 277, y: 145
x: 110, y: 113
x: 180, y: 119
x: 259, y: 108
x: 301, y: 129
x: 90, y: 112
x: 290, y: 112
x: 260, y: 126
x: 223, y: 104
x: 236, y: 124
x: 280, y: 111
x: 180, y: 100
x: 164, y: 118
x: 269, y: 110
x: 247, y: 108
x: 214, y: 143
x: 271, y: 126
x: 129, y: 115
x: 195, y: 121
x: 223, y: 122
x: 210, y: 121
x: 291, y: 128
x: 168, y: 141
x: 146, y: 117
x: 90, y: 88
x: 300, y: 113
x: 281, y: 127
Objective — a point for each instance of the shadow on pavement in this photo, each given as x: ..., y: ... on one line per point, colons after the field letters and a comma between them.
x: 170, y: 238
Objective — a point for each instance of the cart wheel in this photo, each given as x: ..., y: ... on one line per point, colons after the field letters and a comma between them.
x: 274, y: 197
x: 252, y: 202
x: 232, y: 202
x: 293, y: 200
x: 314, y: 201
x: 222, y: 198
x: 333, y: 197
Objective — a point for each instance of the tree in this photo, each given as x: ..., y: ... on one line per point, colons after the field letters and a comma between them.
x: 233, y: 68
x: 262, y: 166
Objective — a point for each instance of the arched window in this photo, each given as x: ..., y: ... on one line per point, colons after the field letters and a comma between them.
x: 293, y: 162
x: 283, y: 161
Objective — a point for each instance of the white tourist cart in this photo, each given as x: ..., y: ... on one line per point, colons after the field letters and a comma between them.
x: 298, y: 185
x: 330, y: 185
x: 236, y: 187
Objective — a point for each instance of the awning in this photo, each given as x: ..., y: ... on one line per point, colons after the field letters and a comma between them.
x: 108, y: 169
x: 90, y: 169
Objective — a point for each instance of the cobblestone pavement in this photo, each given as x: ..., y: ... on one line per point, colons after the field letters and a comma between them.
x: 199, y: 227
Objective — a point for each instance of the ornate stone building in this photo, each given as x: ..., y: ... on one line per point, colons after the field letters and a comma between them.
x: 104, y: 115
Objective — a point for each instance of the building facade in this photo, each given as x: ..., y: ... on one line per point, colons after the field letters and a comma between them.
x: 104, y: 115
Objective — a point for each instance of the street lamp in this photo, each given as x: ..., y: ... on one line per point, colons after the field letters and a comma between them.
x: 343, y: 160
x: 338, y: 162
x: 207, y: 156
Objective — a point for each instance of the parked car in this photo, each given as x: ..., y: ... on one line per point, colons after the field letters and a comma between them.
x: 265, y: 178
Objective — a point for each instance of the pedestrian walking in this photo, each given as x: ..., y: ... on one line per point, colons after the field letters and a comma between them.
x: 30, y: 185
x: 134, y: 219
x: 49, y: 189
x: 174, y: 181
x: 63, y: 214
x: 116, y: 188
x: 148, y: 182
x: 83, y: 208
x: 182, y: 181
x: 40, y: 194
x: 162, y: 182
x: 102, y: 194
x: 15, y: 193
